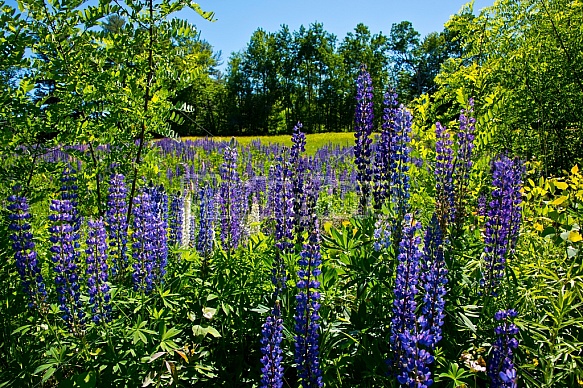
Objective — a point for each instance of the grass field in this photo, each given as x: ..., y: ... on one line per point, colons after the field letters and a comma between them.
x: 313, y: 141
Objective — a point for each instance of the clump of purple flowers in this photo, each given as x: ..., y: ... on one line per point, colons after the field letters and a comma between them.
x: 143, y: 246
x: 502, y: 220
x: 298, y: 168
x: 97, y: 271
x: 272, y: 335
x: 307, y: 351
x: 383, y: 157
x: 206, y: 231
x: 409, y: 362
x: 283, y: 202
x: 159, y: 200
x: 117, y: 227
x: 363, y: 126
x: 25, y: 255
x: 64, y: 250
x: 232, y: 200
x: 433, y: 279
x: 400, y: 150
x: 501, y: 368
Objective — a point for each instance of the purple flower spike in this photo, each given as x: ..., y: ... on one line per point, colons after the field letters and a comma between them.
x: 272, y: 335
x: 502, y: 221
x: 97, y: 270
x: 25, y: 255
x: 64, y: 239
x: 501, y: 368
x: 409, y: 363
x: 363, y: 126
x: 307, y: 353
x: 206, y: 231
x: 433, y: 279
x: 117, y: 226
x: 143, y: 246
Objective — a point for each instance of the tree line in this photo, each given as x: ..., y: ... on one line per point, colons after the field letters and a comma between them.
x: 309, y: 75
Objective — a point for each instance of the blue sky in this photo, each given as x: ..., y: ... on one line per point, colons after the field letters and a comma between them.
x: 237, y: 19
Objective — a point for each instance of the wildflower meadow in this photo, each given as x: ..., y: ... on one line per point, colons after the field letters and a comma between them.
x: 416, y: 253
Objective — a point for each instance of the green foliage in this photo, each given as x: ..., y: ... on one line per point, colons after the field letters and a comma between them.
x: 522, y: 63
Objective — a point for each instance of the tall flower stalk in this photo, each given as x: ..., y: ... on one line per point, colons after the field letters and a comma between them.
x: 433, y: 279
x: 307, y: 352
x: 383, y: 156
x: 271, y: 337
x: 117, y: 227
x: 363, y: 126
x: 231, y: 200
x: 143, y: 245
x: 502, y: 221
x: 298, y: 167
x: 64, y: 250
x: 97, y: 272
x: 501, y: 369
x: 27, y: 263
x: 206, y: 231
x: 409, y: 362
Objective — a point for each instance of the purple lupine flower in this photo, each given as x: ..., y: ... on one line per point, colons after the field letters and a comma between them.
x: 272, y: 335
x: 117, y: 226
x: 231, y: 200
x: 176, y: 217
x: 307, y: 351
x: 298, y: 166
x: 206, y: 231
x: 444, y: 184
x: 97, y: 270
x: 143, y: 246
x: 192, y: 228
x: 433, y: 279
x: 409, y: 363
x: 363, y: 126
x: 501, y: 368
x: 502, y: 221
x: 383, y: 156
x: 63, y: 237
x: 25, y: 255
x: 159, y: 200
x: 284, y: 220
x: 463, y: 160
x: 399, y: 161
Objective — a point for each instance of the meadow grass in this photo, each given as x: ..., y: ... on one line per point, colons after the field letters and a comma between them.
x: 313, y: 141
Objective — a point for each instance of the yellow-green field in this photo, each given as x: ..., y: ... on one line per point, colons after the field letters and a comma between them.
x: 313, y: 141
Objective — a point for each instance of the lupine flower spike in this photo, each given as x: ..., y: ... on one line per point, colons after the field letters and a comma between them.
x: 501, y: 368
x: 97, y: 272
x: 117, y: 226
x: 307, y: 352
x: 63, y: 237
x: 363, y: 126
x: 502, y: 220
x: 25, y: 255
